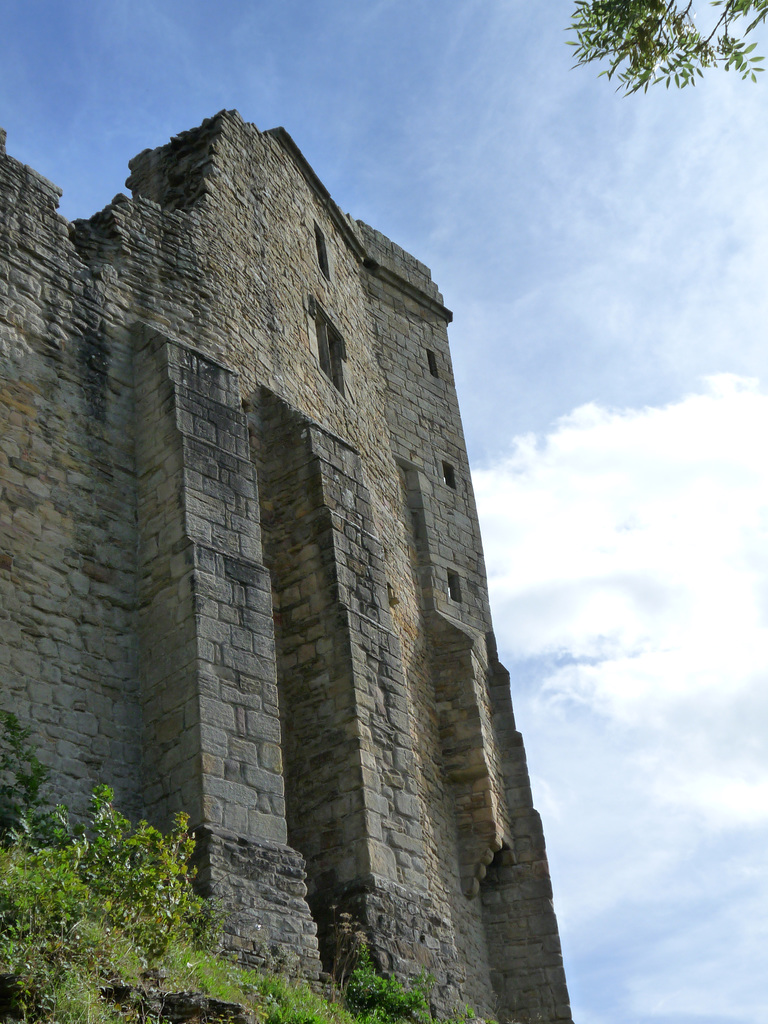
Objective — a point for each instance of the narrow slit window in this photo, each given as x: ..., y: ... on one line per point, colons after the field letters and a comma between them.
x: 322, y: 252
x: 454, y: 587
x: 432, y: 363
x: 449, y: 475
x: 331, y: 352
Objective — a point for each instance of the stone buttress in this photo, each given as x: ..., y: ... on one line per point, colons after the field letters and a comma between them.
x: 241, y: 573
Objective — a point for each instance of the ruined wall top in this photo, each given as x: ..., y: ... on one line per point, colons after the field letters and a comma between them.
x: 188, y: 169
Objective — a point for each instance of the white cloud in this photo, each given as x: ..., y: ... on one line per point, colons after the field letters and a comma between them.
x: 630, y: 547
x: 644, y: 530
x: 628, y: 564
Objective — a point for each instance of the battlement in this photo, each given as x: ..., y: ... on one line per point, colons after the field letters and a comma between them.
x: 241, y: 571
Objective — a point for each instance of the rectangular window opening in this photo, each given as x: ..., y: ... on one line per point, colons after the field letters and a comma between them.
x: 322, y: 252
x: 449, y: 475
x: 432, y: 363
x: 454, y: 587
x: 331, y: 351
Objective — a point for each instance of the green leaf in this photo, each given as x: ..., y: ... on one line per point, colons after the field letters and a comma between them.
x: 647, y: 41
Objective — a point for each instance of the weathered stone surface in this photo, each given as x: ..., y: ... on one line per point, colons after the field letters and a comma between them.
x: 240, y: 565
x: 193, y: 1008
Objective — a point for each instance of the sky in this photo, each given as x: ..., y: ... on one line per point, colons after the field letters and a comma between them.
x: 605, y: 258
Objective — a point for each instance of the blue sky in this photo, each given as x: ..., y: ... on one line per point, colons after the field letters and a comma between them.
x: 606, y: 261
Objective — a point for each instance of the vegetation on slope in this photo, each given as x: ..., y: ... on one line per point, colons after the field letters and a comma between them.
x: 98, y: 921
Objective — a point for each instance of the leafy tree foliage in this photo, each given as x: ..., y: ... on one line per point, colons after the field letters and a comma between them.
x: 650, y: 41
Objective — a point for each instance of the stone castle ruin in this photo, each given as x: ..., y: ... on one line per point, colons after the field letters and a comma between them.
x: 240, y: 565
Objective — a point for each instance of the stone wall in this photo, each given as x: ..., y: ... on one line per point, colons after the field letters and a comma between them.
x: 241, y: 570
x: 69, y: 645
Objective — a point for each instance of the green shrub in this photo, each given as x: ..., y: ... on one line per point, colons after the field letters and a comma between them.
x: 379, y: 1000
x: 141, y: 879
x: 104, y: 900
x: 22, y: 776
x: 99, y: 905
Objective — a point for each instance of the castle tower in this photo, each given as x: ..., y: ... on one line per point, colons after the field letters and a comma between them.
x: 240, y: 564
